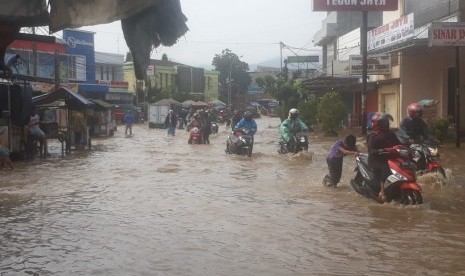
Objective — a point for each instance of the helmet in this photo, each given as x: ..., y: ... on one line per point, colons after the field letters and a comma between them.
x: 380, y: 121
x: 236, y: 112
x: 293, y: 113
x: 415, y: 109
x: 248, y: 115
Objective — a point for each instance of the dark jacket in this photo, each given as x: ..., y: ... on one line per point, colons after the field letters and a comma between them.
x: 171, y: 120
x: 413, y: 129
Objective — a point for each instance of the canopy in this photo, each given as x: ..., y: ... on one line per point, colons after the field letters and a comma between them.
x: 188, y: 102
x: 216, y: 103
x: 199, y: 103
x: 169, y: 101
x: 73, y: 100
x: 145, y: 23
x: 102, y: 104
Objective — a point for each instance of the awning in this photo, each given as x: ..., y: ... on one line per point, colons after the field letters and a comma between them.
x: 102, y: 104
x: 72, y: 99
x: 324, y: 84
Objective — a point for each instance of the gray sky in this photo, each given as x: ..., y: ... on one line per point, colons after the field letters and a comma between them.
x: 250, y: 28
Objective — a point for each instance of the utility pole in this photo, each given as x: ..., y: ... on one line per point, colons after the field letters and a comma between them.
x: 364, y: 52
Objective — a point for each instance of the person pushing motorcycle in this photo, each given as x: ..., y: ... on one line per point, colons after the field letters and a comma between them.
x: 291, y: 126
x: 381, y: 137
x: 412, y: 128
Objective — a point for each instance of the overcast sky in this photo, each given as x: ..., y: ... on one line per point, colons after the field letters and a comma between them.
x: 250, y: 28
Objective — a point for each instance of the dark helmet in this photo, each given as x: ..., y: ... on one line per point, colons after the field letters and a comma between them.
x: 293, y: 113
x: 248, y: 115
x: 415, y: 109
x: 380, y: 121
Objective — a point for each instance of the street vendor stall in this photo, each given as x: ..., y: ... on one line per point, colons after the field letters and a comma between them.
x: 77, y: 108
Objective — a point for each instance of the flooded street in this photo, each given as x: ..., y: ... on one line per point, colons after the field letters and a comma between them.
x: 154, y: 205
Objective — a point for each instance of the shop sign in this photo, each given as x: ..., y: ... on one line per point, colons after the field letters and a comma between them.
x: 355, y: 5
x: 150, y: 70
x: 302, y: 59
x: 376, y: 64
x: 397, y: 31
x: 447, y: 34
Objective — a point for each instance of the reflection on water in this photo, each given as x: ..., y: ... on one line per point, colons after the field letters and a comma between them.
x: 154, y: 205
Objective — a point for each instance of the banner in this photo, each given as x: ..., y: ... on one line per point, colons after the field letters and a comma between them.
x: 397, y: 31
x: 376, y: 64
x: 447, y: 34
x: 355, y: 5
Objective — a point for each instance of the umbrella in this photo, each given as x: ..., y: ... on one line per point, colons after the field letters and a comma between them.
x: 216, y: 103
x: 188, y: 102
x: 169, y: 101
x: 199, y: 103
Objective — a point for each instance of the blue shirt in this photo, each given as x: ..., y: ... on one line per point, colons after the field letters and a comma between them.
x: 248, y: 124
x: 334, y: 151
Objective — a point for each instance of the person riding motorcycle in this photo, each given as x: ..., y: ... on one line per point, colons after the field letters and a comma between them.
x: 291, y: 126
x: 381, y: 137
x: 196, y: 121
x: 248, y: 123
x: 412, y: 128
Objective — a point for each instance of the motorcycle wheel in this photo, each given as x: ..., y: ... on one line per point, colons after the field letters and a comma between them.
x: 189, y: 141
x: 195, y: 142
x: 411, y: 197
x: 439, y: 170
x: 249, y: 152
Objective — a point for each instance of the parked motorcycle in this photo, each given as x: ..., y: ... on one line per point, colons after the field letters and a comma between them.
x: 298, y: 143
x: 400, y: 186
x: 240, y: 142
x: 195, y: 136
x: 214, y: 128
x: 426, y: 158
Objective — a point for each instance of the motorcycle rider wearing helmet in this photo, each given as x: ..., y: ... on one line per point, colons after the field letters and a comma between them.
x: 381, y: 137
x: 413, y: 127
x: 292, y: 125
x: 248, y: 123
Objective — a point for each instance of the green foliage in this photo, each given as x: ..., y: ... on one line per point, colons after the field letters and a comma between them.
x: 331, y: 110
x: 308, y: 110
x: 439, y: 128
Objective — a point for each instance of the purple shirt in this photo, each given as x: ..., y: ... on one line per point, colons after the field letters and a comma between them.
x: 334, y: 150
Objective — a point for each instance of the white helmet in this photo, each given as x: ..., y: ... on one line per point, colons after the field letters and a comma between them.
x: 293, y: 111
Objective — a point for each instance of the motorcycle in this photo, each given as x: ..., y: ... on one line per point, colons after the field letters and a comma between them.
x: 426, y: 159
x: 195, y: 136
x: 298, y: 143
x: 214, y: 128
x: 400, y: 186
x: 240, y: 142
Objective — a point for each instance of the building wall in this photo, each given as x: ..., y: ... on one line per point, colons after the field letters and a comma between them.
x: 425, y: 76
x: 211, y: 85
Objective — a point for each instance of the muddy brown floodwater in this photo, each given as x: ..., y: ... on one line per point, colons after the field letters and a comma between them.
x: 154, y: 205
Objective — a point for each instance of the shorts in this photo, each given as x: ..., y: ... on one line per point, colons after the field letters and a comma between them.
x: 37, y: 132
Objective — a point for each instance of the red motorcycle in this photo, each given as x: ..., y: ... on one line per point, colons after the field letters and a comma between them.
x: 400, y: 186
x: 195, y: 136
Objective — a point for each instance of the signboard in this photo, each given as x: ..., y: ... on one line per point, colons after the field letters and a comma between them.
x: 82, y: 43
x: 150, y: 70
x: 392, y: 33
x: 376, y: 64
x: 447, y: 34
x: 355, y: 5
x: 302, y: 59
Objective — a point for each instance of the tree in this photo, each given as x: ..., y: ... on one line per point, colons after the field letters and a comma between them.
x: 233, y: 72
x: 309, y: 110
x: 164, y: 57
x: 331, y: 111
